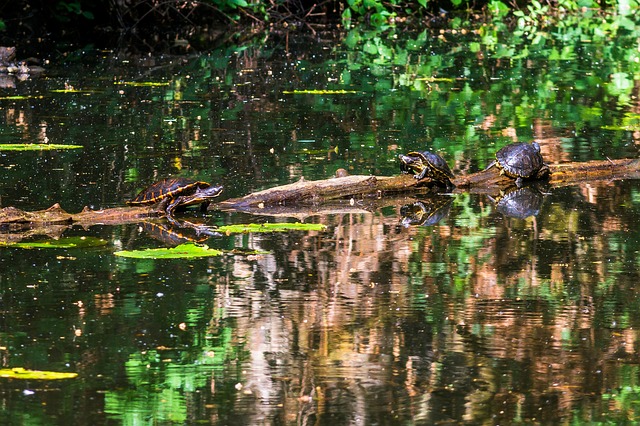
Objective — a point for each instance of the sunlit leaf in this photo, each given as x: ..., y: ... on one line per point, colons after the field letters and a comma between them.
x: 270, y: 227
x: 62, y: 243
x: 318, y: 92
x: 35, y: 146
x: 183, y: 251
x: 21, y: 373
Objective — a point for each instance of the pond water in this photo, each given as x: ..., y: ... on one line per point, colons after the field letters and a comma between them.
x: 468, y: 316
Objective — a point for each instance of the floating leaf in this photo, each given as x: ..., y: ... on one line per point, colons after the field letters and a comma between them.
x: 35, y: 146
x: 21, y: 373
x: 437, y: 79
x: 183, y: 251
x: 62, y: 243
x: 143, y: 83
x: 69, y: 91
x: 628, y: 127
x: 20, y: 97
x: 318, y: 92
x: 270, y: 227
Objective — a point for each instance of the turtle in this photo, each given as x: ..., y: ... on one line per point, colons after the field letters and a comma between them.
x: 427, y: 164
x: 176, y: 192
x: 521, y: 161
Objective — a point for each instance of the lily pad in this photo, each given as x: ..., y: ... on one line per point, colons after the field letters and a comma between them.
x: 19, y: 97
x: 35, y: 146
x: 318, y: 92
x: 183, y: 251
x: 270, y: 227
x: 62, y: 243
x: 23, y: 374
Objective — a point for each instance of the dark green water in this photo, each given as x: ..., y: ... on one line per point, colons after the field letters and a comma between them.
x: 479, y: 318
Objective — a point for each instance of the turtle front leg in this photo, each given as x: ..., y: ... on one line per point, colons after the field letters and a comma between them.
x: 544, y: 172
x: 423, y: 173
x: 519, y: 182
x: 172, y: 205
x: 491, y: 164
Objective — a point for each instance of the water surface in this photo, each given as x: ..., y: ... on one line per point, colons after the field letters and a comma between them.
x: 477, y: 317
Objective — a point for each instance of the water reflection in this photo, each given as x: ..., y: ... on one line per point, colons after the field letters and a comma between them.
x: 519, y: 203
x: 426, y: 212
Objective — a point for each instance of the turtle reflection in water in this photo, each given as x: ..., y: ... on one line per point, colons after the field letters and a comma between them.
x: 172, y: 236
x: 426, y: 212
x: 427, y: 164
x: 519, y: 203
x: 520, y: 161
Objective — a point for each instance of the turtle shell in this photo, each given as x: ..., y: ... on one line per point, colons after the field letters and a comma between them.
x: 520, y: 160
x: 434, y: 164
x: 167, y: 188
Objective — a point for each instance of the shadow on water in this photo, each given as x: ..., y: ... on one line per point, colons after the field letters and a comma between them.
x: 465, y: 308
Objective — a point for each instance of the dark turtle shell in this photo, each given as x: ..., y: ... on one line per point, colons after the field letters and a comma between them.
x: 167, y: 188
x: 521, y: 160
x: 426, y: 163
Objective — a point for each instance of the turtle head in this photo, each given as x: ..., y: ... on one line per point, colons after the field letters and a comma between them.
x: 211, y: 191
x: 411, y: 164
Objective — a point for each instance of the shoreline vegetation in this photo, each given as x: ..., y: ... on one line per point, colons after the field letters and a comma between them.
x: 183, y: 26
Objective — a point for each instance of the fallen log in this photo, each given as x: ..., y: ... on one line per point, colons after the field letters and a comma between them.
x: 56, y: 215
x: 343, y: 194
x: 489, y: 182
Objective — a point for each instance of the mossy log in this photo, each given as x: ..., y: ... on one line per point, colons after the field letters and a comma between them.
x: 343, y: 194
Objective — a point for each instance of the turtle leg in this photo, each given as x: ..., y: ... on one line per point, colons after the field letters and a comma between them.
x: 450, y: 186
x: 423, y: 173
x: 172, y: 205
x: 544, y: 172
x: 491, y: 164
